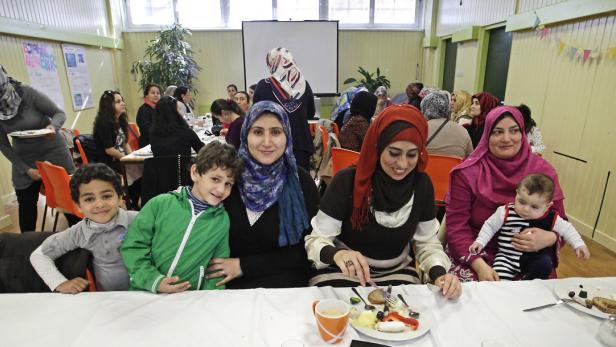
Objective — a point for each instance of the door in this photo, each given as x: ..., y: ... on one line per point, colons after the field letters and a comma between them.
x: 449, y: 71
x: 497, y: 63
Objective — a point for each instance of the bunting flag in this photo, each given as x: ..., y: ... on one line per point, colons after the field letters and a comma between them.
x: 572, y: 52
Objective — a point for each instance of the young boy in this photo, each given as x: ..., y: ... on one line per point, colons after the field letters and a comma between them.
x: 169, y: 245
x: 96, y: 190
x: 531, y: 209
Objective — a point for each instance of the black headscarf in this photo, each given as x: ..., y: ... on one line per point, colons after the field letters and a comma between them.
x: 363, y: 104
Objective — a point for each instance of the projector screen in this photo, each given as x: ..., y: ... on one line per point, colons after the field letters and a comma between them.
x: 314, y: 45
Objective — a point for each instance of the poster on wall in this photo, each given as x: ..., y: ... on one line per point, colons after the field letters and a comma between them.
x: 43, y: 70
x: 78, y: 76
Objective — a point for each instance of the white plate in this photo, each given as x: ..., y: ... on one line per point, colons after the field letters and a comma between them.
x: 26, y: 134
x: 425, y: 323
x: 593, y: 286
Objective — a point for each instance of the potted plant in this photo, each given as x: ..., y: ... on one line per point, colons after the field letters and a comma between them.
x: 168, y: 60
x: 369, y: 80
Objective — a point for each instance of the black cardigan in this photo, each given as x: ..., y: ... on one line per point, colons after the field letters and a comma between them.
x: 264, y: 263
x: 145, y: 114
x: 178, y: 143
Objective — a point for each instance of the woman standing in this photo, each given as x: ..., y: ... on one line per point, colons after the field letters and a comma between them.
x: 481, y: 104
x: 269, y: 208
x: 287, y: 86
x: 151, y: 95
x: 169, y: 133
x: 111, y: 129
x: 372, y: 213
x: 486, y: 180
x: 25, y: 108
x: 229, y: 113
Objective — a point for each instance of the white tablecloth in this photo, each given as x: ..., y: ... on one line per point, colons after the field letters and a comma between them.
x: 488, y: 313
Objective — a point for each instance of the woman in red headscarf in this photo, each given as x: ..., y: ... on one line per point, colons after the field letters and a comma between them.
x: 481, y: 105
x: 371, y: 213
x: 486, y: 180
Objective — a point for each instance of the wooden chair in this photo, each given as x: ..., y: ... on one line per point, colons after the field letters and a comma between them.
x: 439, y: 167
x: 133, y: 136
x: 342, y: 158
x: 59, y: 180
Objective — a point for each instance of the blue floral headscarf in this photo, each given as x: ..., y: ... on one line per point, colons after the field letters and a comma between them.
x: 263, y: 185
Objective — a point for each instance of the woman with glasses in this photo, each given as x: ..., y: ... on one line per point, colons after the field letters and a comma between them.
x: 24, y: 108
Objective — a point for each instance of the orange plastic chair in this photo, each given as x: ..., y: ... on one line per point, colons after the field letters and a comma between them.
x: 335, y: 129
x: 342, y: 158
x: 133, y: 136
x: 91, y: 281
x: 313, y: 128
x: 50, y: 199
x: 82, y: 153
x: 59, y: 181
x: 438, y: 169
x: 324, y: 137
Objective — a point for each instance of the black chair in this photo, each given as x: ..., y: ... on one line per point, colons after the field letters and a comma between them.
x: 163, y: 174
x: 16, y: 272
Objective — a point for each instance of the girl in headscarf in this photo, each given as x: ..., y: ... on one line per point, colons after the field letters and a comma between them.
x: 383, y: 100
x: 25, y: 108
x: 353, y: 132
x: 287, y: 87
x: 481, y: 104
x: 460, y: 107
x: 486, y: 180
x: 269, y: 208
x: 372, y: 213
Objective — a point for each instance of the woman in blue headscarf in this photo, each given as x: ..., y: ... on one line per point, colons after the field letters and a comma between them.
x: 269, y: 208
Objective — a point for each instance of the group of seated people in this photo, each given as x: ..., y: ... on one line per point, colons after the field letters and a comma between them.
x: 253, y: 216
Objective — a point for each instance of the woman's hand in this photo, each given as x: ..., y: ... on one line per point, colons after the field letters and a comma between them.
x: 484, y: 271
x: 34, y: 174
x: 229, y: 268
x: 167, y: 285
x: 450, y: 286
x: 353, y: 264
x: 533, y: 239
x: 74, y: 286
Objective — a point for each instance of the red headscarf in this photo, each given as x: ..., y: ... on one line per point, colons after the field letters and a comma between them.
x: 416, y: 132
x: 487, y: 102
x: 495, y: 180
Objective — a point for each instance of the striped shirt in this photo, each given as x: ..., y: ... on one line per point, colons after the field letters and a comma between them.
x: 198, y: 205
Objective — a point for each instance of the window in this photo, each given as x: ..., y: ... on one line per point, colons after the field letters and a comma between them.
x: 297, y: 10
x: 148, y: 12
x: 229, y: 14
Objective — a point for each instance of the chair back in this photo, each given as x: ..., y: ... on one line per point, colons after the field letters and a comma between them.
x: 50, y: 198
x: 163, y: 174
x: 438, y: 169
x: 82, y: 153
x: 335, y: 129
x: 342, y: 158
x: 133, y: 136
x: 324, y: 136
x: 59, y: 181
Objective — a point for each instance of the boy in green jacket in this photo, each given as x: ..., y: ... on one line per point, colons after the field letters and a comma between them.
x: 174, y: 236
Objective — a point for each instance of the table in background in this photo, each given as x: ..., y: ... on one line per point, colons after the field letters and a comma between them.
x: 487, y: 311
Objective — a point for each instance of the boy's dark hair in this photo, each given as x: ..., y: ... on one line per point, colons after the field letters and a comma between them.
x: 218, y: 155
x: 90, y: 172
x: 538, y: 184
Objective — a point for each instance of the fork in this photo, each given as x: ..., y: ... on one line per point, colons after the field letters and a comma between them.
x: 558, y: 302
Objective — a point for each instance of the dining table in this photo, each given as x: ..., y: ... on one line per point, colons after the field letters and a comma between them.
x: 487, y: 314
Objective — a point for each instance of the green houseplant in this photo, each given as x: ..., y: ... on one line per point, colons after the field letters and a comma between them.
x: 370, y: 81
x: 167, y: 60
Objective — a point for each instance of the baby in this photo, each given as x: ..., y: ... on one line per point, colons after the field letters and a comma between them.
x: 531, y: 209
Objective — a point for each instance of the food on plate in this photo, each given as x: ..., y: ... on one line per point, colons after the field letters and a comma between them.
x: 603, y: 304
x: 355, y: 300
x: 583, y: 294
x: 397, y: 317
x: 366, y: 319
x: 390, y: 327
x: 377, y: 296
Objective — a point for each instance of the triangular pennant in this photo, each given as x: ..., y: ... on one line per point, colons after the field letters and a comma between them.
x: 561, y: 46
x: 611, y: 52
x: 543, y: 33
x: 572, y: 52
x: 594, y: 54
x: 586, y: 55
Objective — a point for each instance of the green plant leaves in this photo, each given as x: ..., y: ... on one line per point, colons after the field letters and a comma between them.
x: 369, y: 81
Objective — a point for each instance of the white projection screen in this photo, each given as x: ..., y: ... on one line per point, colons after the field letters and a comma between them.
x: 314, y: 45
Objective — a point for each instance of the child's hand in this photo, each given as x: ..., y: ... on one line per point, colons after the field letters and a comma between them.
x: 475, y: 248
x: 582, y: 252
x: 229, y: 268
x: 166, y: 285
x: 74, y: 286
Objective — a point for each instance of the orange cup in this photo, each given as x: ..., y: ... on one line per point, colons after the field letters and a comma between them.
x: 332, y: 317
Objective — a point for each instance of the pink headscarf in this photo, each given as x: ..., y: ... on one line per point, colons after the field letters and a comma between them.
x: 495, y: 180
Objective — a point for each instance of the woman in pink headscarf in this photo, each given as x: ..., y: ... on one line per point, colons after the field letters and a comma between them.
x: 486, y: 180
x: 287, y: 87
